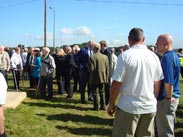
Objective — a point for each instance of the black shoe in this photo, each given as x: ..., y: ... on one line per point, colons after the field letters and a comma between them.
x: 95, y: 109
x: 83, y: 102
x: 69, y: 96
x: 90, y: 99
x: 102, y: 108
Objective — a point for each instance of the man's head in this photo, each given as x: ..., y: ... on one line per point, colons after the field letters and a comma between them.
x: 96, y: 47
x: 45, y: 51
x: 1, y: 49
x: 103, y: 44
x: 90, y: 44
x: 136, y: 37
x: 164, y: 43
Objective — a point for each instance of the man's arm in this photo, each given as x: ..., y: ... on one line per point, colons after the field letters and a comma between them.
x: 1, y: 120
x: 169, y: 90
x: 114, y: 92
x: 157, y: 85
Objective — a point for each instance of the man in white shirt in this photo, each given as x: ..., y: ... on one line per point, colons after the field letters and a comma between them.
x: 137, y: 79
x: 2, y: 102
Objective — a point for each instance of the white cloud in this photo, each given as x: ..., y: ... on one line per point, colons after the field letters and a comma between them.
x: 80, y: 31
x: 120, y: 34
x: 27, y: 35
x: 39, y: 37
x: 116, y: 43
x: 66, y: 31
x: 49, y: 36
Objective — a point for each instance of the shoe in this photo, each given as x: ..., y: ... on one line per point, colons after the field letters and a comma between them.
x: 95, y: 109
x: 69, y: 96
x: 90, y: 99
x: 102, y: 108
x: 83, y: 102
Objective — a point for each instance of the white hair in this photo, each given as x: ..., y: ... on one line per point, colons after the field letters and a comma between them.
x: 47, y: 49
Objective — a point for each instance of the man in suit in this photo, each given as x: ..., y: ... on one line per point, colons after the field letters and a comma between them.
x: 82, y: 61
x: 107, y: 52
x: 99, y: 69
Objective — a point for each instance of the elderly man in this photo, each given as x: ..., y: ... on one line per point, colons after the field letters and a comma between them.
x: 46, y: 73
x: 137, y: 78
x: 2, y: 102
x: 168, y: 99
x: 99, y: 70
x: 4, y: 63
x: 106, y: 51
x: 82, y: 60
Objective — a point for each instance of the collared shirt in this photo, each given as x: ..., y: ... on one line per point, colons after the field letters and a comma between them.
x: 137, y: 69
x: 171, y: 74
x: 16, y: 60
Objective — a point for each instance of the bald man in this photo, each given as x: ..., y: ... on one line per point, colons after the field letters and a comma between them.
x: 168, y: 98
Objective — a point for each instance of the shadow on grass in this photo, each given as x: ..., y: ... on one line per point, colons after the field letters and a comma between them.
x: 79, y: 118
x: 87, y: 131
x: 179, y: 134
x: 57, y: 105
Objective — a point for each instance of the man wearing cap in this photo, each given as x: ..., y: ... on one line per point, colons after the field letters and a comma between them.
x: 137, y: 79
x: 46, y: 73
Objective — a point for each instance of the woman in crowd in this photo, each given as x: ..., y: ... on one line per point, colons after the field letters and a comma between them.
x: 36, y: 67
x: 59, y: 61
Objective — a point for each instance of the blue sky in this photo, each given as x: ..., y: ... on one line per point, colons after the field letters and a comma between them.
x: 79, y: 21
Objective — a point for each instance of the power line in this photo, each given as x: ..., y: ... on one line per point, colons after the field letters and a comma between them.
x: 17, y: 4
x: 133, y: 2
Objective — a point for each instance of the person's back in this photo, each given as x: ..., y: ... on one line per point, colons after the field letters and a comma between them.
x: 99, y: 72
x: 137, y: 77
x: 138, y: 86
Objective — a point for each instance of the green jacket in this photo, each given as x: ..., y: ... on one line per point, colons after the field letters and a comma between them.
x: 98, y: 68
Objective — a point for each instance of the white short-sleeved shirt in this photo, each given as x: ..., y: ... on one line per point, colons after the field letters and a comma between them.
x: 3, y: 89
x: 137, y: 69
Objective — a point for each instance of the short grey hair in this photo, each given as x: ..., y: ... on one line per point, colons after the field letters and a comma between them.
x: 136, y: 34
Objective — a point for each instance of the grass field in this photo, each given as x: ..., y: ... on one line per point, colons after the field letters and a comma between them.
x: 62, y: 117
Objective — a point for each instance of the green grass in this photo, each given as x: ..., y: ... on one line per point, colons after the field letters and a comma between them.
x: 62, y: 117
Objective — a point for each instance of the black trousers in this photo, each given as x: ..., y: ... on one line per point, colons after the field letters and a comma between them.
x: 68, y: 88
x: 16, y: 78
x: 100, y: 88
x: 30, y: 70
x: 42, y: 86
x: 5, y: 74
x: 60, y: 83
x: 83, y: 82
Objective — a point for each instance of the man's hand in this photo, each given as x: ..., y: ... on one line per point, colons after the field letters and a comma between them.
x: 111, y: 109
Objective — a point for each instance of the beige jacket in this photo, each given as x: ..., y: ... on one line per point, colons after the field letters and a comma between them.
x: 4, y: 61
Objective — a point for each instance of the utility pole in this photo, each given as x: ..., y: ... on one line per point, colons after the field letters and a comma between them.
x: 45, y: 8
x: 53, y: 28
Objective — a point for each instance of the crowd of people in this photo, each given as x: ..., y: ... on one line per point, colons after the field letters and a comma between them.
x: 147, y: 80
